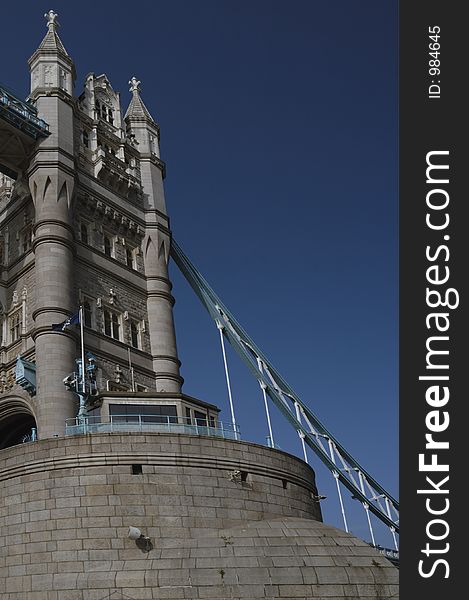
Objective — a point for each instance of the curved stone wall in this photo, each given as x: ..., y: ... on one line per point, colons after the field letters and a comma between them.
x: 66, y: 505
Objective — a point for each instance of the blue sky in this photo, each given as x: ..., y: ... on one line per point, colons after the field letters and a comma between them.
x: 279, y: 130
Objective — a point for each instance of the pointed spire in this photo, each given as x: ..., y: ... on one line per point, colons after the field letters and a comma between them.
x: 51, y: 40
x: 137, y: 109
x: 51, y: 65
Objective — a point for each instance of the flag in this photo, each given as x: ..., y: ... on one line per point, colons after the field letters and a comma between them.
x: 73, y: 320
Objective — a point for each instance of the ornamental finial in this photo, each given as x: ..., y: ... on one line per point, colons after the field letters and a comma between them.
x: 51, y: 17
x: 134, y: 85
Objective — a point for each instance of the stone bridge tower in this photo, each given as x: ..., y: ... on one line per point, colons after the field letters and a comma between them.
x: 83, y: 221
x: 97, y: 235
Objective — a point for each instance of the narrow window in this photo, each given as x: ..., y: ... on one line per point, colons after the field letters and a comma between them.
x: 134, y: 335
x: 107, y: 323
x: 26, y: 239
x: 16, y: 322
x: 200, y: 418
x: 86, y: 139
x: 107, y: 245
x: 115, y: 326
x: 129, y: 257
x: 87, y: 313
x: 84, y: 233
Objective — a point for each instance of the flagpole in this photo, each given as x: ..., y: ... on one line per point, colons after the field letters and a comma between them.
x: 82, y: 340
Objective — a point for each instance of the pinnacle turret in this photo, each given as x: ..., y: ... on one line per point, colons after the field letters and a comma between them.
x: 51, y: 65
x: 137, y: 110
x: 52, y: 41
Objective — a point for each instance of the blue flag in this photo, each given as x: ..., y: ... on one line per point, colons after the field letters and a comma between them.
x: 73, y: 320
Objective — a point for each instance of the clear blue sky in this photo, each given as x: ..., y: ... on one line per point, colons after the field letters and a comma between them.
x: 279, y: 130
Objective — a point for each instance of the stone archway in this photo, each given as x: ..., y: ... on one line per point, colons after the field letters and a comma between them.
x: 16, y: 421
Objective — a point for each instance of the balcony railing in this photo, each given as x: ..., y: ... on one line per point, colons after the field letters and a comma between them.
x: 22, y: 114
x: 151, y: 424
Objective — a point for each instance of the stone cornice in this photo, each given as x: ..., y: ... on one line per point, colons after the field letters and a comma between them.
x: 83, y: 187
x: 159, y: 294
x: 62, y: 224
x: 121, y: 279
x: 55, y: 239
x: 167, y: 375
x: 52, y: 164
x: 40, y: 457
x: 30, y: 263
x: 15, y: 205
x: 120, y: 219
x: 51, y: 92
x: 49, y: 309
x: 162, y: 279
x: 154, y: 160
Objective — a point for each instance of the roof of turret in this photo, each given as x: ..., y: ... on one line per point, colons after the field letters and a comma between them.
x: 137, y: 108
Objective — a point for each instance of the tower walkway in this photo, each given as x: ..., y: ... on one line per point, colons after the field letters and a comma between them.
x: 20, y: 129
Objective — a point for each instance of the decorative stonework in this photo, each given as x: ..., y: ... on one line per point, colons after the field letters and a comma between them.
x: 134, y: 85
x: 51, y: 17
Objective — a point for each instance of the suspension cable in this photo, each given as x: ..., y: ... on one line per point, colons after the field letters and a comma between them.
x: 266, y: 406
x: 367, y: 490
x: 227, y: 376
x: 339, y: 491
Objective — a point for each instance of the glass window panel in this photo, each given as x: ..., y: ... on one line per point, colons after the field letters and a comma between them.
x: 200, y: 418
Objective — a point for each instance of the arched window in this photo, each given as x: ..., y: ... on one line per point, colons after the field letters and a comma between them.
x: 110, y: 117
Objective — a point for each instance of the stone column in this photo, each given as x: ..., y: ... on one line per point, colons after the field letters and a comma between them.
x: 160, y: 304
x: 52, y: 190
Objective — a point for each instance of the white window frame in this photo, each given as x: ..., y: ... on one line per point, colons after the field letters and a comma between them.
x: 119, y: 319
x: 19, y: 326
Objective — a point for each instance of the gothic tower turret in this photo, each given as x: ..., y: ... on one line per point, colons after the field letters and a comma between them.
x: 52, y: 181
x: 145, y: 131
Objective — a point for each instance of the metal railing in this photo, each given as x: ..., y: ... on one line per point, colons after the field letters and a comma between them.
x: 391, y: 555
x: 151, y: 424
x: 22, y: 114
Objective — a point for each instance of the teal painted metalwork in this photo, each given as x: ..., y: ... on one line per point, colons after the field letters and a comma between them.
x: 342, y: 465
x: 21, y: 114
